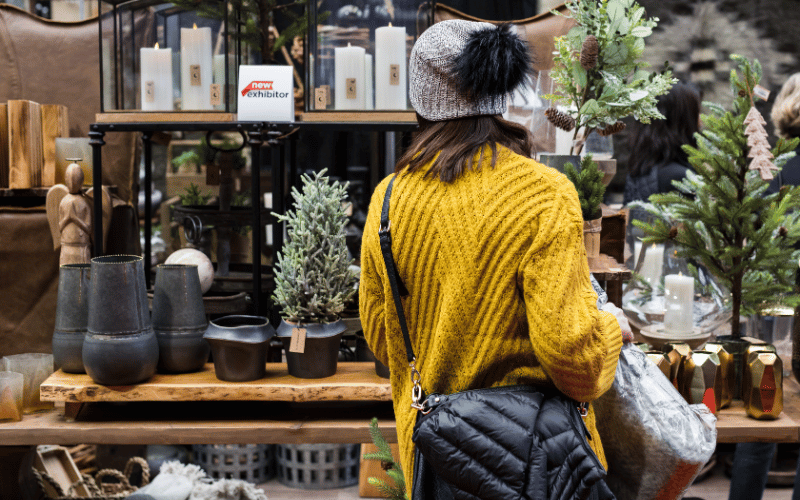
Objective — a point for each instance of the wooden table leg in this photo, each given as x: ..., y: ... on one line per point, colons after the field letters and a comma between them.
x: 614, y: 291
x: 71, y: 411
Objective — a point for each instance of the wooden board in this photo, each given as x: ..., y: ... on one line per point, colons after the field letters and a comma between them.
x: 358, y: 117
x: 374, y: 468
x: 355, y: 381
x: 605, y: 268
x: 55, y: 123
x: 4, y: 167
x: 230, y: 422
x: 24, y: 144
x: 162, y: 117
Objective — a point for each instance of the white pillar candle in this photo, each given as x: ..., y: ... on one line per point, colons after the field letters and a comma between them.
x: 156, y: 78
x: 196, y: 69
x: 369, y: 82
x: 650, y: 270
x: 350, y: 91
x: 219, y: 78
x: 391, y: 82
x: 678, y: 304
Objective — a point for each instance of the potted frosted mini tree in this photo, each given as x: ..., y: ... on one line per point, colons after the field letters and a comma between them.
x: 588, y: 182
x: 313, y: 277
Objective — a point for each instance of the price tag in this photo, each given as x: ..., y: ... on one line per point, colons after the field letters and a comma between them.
x: 351, y: 88
x: 320, y: 98
x: 298, y: 343
x: 150, y: 91
x: 761, y: 92
x: 394, y: 74
x: 328, y: 95
x: 216, y: 94
x: 194, y: 73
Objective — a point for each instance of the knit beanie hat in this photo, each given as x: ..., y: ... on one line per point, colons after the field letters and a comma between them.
x: 463, y: 68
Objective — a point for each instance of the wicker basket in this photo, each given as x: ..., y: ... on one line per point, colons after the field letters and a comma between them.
x: 254, y: 463
x: 318, y: 466
x: 99, y: 486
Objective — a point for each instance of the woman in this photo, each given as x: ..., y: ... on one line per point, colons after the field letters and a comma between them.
x: 786, y: 119
x: 657, y: 157
x: 488, y: 242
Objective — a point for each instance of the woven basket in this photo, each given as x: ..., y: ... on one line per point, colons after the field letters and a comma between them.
x: 254, y: 463
x: 318, y: 466
x: 99, y: 486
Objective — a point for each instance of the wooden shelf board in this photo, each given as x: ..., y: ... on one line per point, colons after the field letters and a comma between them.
x: 353, y: 381
x: 408, y: 117
x: 136, y: 116
x: 202, y: 423
x: 606, y: 268
x: 733, y: 426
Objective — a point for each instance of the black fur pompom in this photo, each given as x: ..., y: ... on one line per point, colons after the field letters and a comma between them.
x: 494, y: 62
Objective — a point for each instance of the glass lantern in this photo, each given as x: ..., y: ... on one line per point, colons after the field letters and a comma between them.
x: 672, y: 299
x: 358, y: 52
x: 158, y: 57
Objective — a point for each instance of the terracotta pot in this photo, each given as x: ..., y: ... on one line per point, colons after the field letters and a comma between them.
x: 591, y: 237
x: 320, y: 356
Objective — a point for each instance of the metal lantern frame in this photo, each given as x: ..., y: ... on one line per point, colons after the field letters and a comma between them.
x: 125, y: 55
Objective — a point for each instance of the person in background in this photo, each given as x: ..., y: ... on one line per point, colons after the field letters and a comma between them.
x: 752, y: 461
x: 656, y: 149
x: 488, y: 242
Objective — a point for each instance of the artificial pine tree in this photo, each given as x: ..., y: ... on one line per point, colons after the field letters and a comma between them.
x: 589, y: 184
x: 721, y: 217
x: 313, y: 279
x: 392, y: 468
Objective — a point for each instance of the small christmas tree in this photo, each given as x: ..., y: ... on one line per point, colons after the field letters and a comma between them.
x: 589, y: 184
x: 396, y: 491
x: 721, y: 217
x: 313, y: 279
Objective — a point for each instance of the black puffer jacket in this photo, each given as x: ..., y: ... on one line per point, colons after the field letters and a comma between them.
x: 471, y: 441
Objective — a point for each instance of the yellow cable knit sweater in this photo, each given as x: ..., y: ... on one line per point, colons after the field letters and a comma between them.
x: 499, y: 288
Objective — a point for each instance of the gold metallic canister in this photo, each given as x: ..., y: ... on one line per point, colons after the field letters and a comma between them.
x: 765, y: 387
x: 683, y: 350
x: 726, y: 369
x: 703, y: 380
x: 749, y: 353
x: 661, y: 360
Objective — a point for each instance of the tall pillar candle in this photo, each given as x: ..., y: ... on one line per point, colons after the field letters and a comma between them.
x: 350, y: 91
x: 156, y: 78
x: 391, y: 62
x: 678, y: 304
x: 369, y: 82
x: 219, y: 78
x: 196, y: 68
x: 650, y: 269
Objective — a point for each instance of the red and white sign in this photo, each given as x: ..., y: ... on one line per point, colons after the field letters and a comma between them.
x: 266, y: 93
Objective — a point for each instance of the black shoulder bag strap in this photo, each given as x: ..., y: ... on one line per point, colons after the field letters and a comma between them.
x: 398, y: 290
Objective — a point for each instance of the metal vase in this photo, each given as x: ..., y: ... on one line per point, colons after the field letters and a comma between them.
x: 320, y: 357
x: 239, y: 345
x: 179, y: 319
x: 737, y: 349
x: 72, y: 317
x: 120, y: 347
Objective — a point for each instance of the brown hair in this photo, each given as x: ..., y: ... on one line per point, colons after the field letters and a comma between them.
x: 786, y: 110
x: 456, y: 142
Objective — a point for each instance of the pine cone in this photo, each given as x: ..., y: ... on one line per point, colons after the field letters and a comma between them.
x: 742, y: 93
x: 560, y: 119
x: 612, y: 129
x: 673, y: 233
x: 589, y: 52
x: 782, y: 231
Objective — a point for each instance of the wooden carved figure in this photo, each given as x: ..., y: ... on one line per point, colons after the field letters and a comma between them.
x: 69, y: 213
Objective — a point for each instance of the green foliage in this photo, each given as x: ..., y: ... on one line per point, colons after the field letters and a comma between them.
x: 187, y: 157
x: 618, y: 86
x: 312, y: 276
x: 255, y: 19
x: 194, y: 196
x: 721, y: 217
x: 227, y: 146
x: 397, y: 491
x: 589, y: 184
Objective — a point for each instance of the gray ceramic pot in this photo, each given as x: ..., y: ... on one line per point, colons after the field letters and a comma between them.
x: 120, y: 347
x: 321, y: 355
x: 120, y: 359
x: 179, y: 319
x: 118, y: 297
x: 72, y: 312
x: 239, y: 346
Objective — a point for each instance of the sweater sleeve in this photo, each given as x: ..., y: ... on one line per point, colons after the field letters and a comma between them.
x: 577, y: 345
x: 370, y: 289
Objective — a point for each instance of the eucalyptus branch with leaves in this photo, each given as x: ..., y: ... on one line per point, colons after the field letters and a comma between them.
x: 599, y: 69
